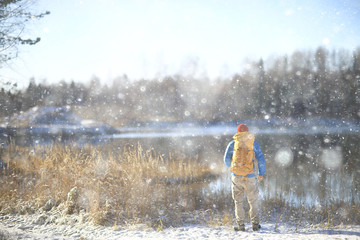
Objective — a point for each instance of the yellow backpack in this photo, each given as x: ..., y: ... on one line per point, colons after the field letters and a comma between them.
x: 242, y: 160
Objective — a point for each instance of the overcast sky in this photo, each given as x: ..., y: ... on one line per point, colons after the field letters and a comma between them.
x: 150, y: 38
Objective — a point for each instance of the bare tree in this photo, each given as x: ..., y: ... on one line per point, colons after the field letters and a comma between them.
x: 15, y: 15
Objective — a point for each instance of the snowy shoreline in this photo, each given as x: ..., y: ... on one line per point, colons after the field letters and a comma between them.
x: 29, y: 227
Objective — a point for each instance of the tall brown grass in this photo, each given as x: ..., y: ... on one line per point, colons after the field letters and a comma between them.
x: 116, y: 187
x: 112, y: 187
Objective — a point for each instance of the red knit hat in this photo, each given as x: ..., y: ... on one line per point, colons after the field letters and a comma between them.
x: 242, y: 128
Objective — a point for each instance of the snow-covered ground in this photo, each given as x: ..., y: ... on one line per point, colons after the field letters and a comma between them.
x: 33, y: 227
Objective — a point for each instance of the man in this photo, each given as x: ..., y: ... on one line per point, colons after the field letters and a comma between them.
x: 240, y: 156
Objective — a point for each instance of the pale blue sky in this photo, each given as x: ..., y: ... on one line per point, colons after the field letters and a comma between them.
x: 149, y: 38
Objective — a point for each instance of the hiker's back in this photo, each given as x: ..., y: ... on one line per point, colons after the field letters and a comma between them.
x: 242, y: 161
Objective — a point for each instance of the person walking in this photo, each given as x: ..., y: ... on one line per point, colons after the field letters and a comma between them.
x: 240, y: 156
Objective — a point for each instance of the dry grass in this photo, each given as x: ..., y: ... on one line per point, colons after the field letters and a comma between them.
x: 133, y: 185
x: 280, y: 212
x: 112, y: 188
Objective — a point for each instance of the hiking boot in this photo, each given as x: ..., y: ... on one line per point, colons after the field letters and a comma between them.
x: 256, y: 226
x: 240, y: 227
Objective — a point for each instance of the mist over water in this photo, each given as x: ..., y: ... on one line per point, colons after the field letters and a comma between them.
x: 263, y: 127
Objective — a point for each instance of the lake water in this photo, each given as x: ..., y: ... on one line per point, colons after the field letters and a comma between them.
x: 312, y: 162
x: 305, y: 164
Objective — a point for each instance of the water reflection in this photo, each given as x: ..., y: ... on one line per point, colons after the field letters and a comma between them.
x: 325, y: 169
x: 305, y: 164
x: 302, y: 169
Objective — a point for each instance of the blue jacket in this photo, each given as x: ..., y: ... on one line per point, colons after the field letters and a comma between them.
x: 258, y: 155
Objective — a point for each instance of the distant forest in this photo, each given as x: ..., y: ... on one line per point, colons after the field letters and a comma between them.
x: 305, y: 84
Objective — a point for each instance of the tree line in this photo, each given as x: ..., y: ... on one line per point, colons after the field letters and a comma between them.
x: 305, y: 84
